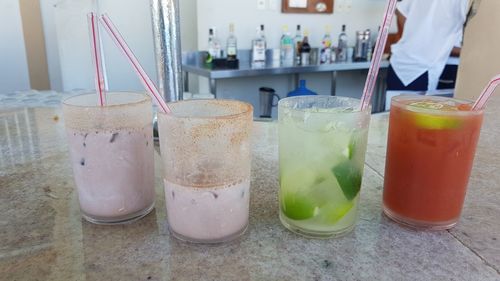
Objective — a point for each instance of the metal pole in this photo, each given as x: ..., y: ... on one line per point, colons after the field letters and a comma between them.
x: 166, y: 32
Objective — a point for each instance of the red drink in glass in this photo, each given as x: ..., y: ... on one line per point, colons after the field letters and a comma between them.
x: 430, y: 151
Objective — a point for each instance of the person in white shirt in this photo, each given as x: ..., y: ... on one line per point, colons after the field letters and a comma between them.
x: 432, y: 33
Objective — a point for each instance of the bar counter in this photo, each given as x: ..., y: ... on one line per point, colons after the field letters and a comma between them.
x: 43, y: 237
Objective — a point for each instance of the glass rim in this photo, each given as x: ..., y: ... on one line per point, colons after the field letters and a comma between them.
x: 245, y: 109
x: 145, y: 98
x: 397, y: 100
x: 356, y: 109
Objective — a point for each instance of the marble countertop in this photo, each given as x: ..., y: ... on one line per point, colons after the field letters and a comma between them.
x: 42, y: 236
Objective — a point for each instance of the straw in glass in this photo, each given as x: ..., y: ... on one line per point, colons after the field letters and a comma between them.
x: 96, y: 57
x: 123, y: 46
x: 486, y: 93
x: 371, y: 79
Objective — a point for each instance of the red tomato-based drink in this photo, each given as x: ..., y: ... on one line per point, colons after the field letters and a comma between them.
x: 430, y: 151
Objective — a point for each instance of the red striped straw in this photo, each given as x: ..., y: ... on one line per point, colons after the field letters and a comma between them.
x: 123, y: 46
x: 486, y: 93
x: 96, y: 57
x: 371, y: 79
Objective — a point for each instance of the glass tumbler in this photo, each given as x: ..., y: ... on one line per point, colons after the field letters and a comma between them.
x: 322, y: 145
x: 205, y: 146
x: 112, y: 155
x: 430, y: 150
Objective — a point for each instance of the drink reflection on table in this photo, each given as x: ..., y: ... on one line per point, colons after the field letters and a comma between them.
x: 17, y: 131
x: 189, y: 261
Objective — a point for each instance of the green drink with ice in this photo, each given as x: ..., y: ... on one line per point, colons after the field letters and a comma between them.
x: 322, y: 145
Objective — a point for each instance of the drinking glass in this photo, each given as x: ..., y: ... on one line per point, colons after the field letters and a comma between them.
x: 322, y: 145
x: 205, y: 146
x: 111, y: 150
x: 430, y: 150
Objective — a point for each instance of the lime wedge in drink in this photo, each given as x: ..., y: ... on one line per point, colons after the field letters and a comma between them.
x: 349, y: 178
x: 428, y: 104
x: 298, y: 206
x: 436, y: 122
x: 433, y: 121
x: 297, y: 200
x: 332, y: 213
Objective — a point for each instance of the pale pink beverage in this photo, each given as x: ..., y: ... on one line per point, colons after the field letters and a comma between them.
x: 208, y: 213
x: 205, y: 146
x: 112, y: 151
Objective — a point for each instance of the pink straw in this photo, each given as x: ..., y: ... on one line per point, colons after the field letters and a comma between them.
x: 486, y: 93
x: 122, y: 45
x: 377, y: 56
x: 96, y: 57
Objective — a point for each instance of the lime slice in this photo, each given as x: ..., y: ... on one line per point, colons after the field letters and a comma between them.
x: 436, y: 122
x: 209, y: 58
x: 332, y: 213
x: 433, y: 121
x: 427, y: 104
x: 349, y: 178
x: 298, y: 206
x: 298, y: 202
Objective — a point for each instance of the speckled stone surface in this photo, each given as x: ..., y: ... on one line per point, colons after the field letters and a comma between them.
x: 42, y: 236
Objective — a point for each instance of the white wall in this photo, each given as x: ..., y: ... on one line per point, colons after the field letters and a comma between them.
x: 133, y: 20
x: 47, y: 8
x: 189, y: 33
x: 66, y: 21
x: 13, y: 62
x: 356, y: 14
x: 189, y: 25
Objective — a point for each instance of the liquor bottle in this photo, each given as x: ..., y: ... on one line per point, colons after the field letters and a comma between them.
x: 305, y: 50
x: 231, y: 44
x: 297, y: 41
x: 214, y: 46
x: 326, y: 47
x: 368, y: 45
x: 286, y: 48
x: 262, y: 33
x: 372, y: 43
x: 259, y: 48
x: 210, y: 46
x: 342, y: 46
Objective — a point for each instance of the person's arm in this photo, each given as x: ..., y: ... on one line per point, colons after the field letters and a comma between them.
x: 455, y: 52
x: 402, y: 10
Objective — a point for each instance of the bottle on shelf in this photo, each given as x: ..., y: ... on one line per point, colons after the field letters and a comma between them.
x: 262, y: 33
x: 214, y: 46
x: 333, y: 57
x: 342, y: 46
x: 231, y: 44
x: 286, y: 48
x: 210, y: 47
x: 326, y: 47
x: 369, y: 51
x: 258, y: 54
x: 297, y: 42
x: 305, y: 50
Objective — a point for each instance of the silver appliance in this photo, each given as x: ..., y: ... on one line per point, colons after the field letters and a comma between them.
x: 267, y: 101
